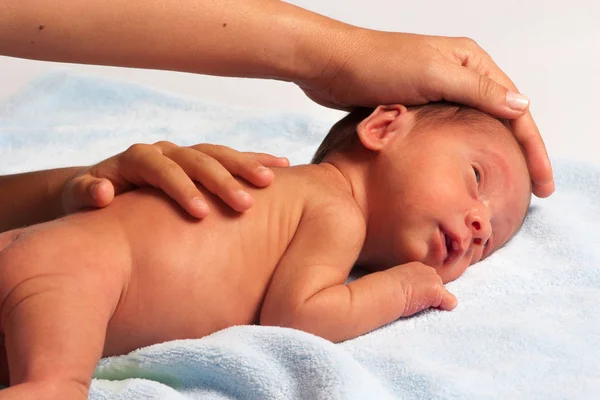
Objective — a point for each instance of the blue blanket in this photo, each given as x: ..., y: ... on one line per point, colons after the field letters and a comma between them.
x: 525, y: 326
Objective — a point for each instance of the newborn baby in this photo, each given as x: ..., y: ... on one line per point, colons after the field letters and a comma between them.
x: 415, y: 196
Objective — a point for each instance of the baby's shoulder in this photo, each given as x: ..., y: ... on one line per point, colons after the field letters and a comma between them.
x: 318, y: 185
x: 328, y: 201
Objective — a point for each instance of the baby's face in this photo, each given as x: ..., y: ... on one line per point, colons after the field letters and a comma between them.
x: 452, y: 197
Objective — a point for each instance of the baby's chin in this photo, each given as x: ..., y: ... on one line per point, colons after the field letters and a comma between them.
x: 418, y: 252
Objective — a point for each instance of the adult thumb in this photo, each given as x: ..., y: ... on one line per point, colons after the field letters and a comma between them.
x: 481, y: 92
x: 87, y: 191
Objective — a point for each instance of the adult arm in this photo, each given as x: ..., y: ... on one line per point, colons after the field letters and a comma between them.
x: 254, y: 38
x: 40, y: 196
x: 336, y: 64
x: 32, y: 197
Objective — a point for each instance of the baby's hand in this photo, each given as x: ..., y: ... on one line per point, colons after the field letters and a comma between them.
x: 423, y: 288
x: 173, y: 169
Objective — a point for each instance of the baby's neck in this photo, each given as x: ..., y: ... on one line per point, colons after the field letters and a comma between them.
x: 354, y: 170
x: 353, y: 174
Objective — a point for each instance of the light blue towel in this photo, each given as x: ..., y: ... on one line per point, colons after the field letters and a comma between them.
x: 526, y: 325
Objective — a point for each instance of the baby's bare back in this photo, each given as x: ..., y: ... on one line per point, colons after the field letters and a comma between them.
x: 163, y: 274
x: 190, y: 278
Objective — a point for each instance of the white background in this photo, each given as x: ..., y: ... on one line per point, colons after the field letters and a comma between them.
x: 551, y: 50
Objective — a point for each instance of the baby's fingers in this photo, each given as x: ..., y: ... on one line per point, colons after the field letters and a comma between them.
x: 448, y: 301
x: 424, y: 288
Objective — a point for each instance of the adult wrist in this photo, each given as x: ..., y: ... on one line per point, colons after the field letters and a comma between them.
x: 315, y: 47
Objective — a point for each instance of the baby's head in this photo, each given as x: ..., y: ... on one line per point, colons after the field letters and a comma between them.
x: 443, y: 184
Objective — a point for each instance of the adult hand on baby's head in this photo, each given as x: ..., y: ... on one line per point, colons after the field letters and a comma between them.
x: 173, y: 169
x: 370, y: 68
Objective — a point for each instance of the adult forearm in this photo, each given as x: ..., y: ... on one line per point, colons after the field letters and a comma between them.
x: 250, y: 38
x: 32, y: 197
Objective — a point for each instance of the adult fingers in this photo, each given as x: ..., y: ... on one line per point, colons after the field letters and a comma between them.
x: 146, y: 165
x: 538, y: 163
x: 216, y: 175
x: 486, y: 94
x: 248, y: 166
x: 268, y: 160
x: 465, y: 86
x: 87, y: 191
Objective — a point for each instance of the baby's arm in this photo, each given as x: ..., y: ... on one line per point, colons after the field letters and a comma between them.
x: 308, y: 289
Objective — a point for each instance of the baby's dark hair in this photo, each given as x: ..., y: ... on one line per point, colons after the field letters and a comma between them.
x: 343, y: 136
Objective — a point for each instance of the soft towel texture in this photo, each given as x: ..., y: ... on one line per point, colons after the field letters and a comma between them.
x: 526, y: 325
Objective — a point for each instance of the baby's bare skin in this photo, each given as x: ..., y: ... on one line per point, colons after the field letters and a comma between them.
x: 185, y: 279
x: 165, y: 275
x: 142, y: 271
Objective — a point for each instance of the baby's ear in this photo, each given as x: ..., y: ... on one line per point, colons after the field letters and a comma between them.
x: 383, y: 125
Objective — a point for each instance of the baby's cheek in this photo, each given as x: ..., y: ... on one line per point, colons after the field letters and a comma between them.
x: 407, y: 249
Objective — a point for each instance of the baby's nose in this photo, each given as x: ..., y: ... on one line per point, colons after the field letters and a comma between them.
x: 480, y: 227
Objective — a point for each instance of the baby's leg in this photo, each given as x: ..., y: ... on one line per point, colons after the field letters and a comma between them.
x: 57, y: 296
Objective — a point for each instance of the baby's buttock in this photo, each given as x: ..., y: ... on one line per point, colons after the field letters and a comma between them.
x: 68, y: 255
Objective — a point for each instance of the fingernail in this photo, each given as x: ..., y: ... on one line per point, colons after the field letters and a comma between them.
x: 199, y: 204
x: 516, y: 101
x: 543, y: 183
x: 263, y: 170
x: 245, y: 196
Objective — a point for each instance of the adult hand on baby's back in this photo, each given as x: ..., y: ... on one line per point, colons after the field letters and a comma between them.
x: 423, y: 288
x: 370, y: 68
x: 173, y: 169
